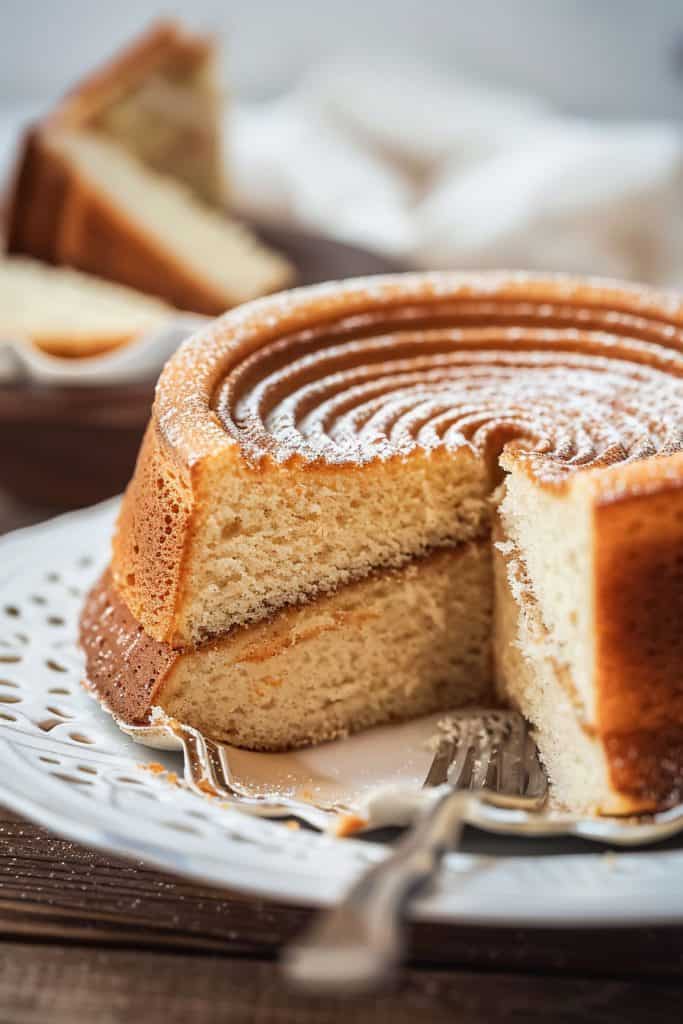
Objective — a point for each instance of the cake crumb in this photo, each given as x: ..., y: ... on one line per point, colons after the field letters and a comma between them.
x: 348, y: 825
x: 207, y: 788
x: 158, y: 769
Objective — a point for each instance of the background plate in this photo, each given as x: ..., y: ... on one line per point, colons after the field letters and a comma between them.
x: 68, y: 446
x: 64, y: 764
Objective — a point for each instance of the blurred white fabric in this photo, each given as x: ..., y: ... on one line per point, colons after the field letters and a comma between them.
x: 442, y: 172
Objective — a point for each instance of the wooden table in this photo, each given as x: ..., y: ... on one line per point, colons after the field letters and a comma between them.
x: 87, y: 938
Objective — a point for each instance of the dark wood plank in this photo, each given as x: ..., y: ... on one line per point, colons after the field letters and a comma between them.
x: 61, y: 985
x: 55, y: 890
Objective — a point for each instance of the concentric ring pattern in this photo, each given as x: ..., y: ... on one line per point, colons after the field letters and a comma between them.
x: 587, y: 375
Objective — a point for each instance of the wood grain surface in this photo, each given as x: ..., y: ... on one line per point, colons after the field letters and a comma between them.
x: 87, y: 937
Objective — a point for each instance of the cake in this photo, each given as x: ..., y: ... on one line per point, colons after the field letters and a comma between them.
x: 369, y: 500
x: 161, y: 98
x: 69, y: 314
x: 125, y: 180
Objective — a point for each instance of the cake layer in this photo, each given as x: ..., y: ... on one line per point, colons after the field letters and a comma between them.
x: 613, y: 767
x: 303, y: 439
x: 398, y: 644
x: 261, y: 538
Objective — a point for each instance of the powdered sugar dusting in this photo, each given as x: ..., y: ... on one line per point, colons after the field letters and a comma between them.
x: 578, y: 374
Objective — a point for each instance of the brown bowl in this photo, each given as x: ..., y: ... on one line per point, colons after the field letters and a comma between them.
x: 69, y: 446
x: 63, y: 447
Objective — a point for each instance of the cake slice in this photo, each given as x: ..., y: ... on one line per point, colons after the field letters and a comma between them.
x: 396, y: 644
x: 161, y: 99
x: 124, y: 180
x: 66, y: 313
x: 91, y: 205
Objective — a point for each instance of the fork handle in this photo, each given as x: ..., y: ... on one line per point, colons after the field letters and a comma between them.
x: 357, y: 946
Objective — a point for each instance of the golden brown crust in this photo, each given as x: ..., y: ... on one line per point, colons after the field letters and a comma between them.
x: 638, y: 580
x: 125, y: 667
x: 31, y: 227
x: 152, y: 532
x: 646, y: 767
x: 96, y: 239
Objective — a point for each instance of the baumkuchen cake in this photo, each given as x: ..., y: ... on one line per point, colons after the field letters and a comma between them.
x: 365, y: 501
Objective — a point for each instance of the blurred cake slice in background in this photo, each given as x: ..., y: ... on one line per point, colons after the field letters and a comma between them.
x: 125, y: 180
x: 66, y: 313
x: 83, y: 200
x: 161, y: 98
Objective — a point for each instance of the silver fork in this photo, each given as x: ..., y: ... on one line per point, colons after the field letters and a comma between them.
x: 356, y: 946
x: 206, y: 771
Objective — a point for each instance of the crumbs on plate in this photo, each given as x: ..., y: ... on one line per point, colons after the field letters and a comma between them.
x: 158, y: 769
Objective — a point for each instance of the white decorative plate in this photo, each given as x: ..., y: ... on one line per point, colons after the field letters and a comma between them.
x: 64, y: 764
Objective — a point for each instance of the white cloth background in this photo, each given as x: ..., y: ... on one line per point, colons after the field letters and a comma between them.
x: 442, y: 172
x: 436, y: 171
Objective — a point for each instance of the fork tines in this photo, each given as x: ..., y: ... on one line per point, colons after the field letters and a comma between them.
x: 487, y: 750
